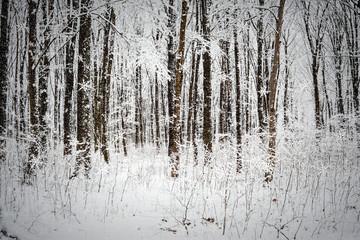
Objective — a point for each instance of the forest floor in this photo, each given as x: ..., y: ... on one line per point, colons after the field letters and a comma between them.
x: 134, y: 198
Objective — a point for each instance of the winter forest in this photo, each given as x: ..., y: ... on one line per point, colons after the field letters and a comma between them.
x: 179, y: 119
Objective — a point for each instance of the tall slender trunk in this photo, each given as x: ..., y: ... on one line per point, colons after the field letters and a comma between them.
x: 84, y: 91
x: 273, y: 89
x: 247, y: 80
x: 32, y: 90
x: 286, y: 79
x: 69, y: 76
x: 191, y: 94
x: 225, y: 107
x: 175, y: 155
x: 156, y: 102
x: 207, y: 121
x: 108, y: 56
x: 325, y: 92
x: 44, y: 70
x: 315, y: 42
x: 259, y: 70
x: 171, y: 70
x: 157, y: 117
x: 4, y: 48
x: 238, y: 102
x: 138, y: 129
x: 196, y: 106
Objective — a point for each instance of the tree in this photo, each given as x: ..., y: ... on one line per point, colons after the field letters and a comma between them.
x: 351, y: 27
x: 336, y: 32
x: 193, y: 89
x: 84, y: 91
x: 4, y: 49
x: 175, y: 155
x: 238, y: 102
x: 207, y: 128
x: 108, y: 56
x: 156, y: 110
x: 69, y: 74
x: 315, y: 35
x: 273, y: 90
x: 171, y: 70
x: 44, y: 70
x: 32, y: 90
x: 259, y: 70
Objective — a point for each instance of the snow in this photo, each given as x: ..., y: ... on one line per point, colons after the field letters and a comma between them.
x: 315, y: 195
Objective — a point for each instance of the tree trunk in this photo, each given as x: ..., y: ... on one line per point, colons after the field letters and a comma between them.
x: 106, y: 81
x: 286, y: 79
x: 207, y: 121
x: 4, y: 49
x: 156, y: 110
x: 69, y: 77
x: 44, y: 70
x: 191, y: 94
x: 247, y: 76
x: 84, y: 91
x: 157, y: 116
x: 259, y: 71
x: 225, y: 107
x: 238, y: 102
x: 315, y: 43
x: 138, y: 129
x: 175, y: 155
x: 31, y: 72
x: 171, y: 70
x: 272, y: 96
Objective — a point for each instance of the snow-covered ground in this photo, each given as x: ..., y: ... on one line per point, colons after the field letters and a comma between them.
x: 315, y: 195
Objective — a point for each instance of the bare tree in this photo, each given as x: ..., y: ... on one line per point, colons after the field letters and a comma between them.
x: 108, y: 56
x: 4, y: 49
x: 273, y: 90
x: 175, y: 157
x: 207, y: 128
x: 171, y: 71
x: 83, y: 91
x: 32, y: 89
x: 315, y: 35
x: 69, y: 74
x: 238, y: 103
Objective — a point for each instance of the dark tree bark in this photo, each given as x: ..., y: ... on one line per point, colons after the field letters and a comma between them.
x: 138, y: 129
x: 172, y: 76
x: 175, y: 155
x: 196, y: 106
x: 123, y: 113
x: 157, y: 113
x: 207, y: 121
x: 32, y: 91
x: 84, y: 91
x: 193, y: 98
x: 326, y: 93
x: 336, y: 38
x: 238, y: 102
x: 286, y: 79
x: 44, y: 70
x: 351, y: 27
x: 315, y: 42
x: 273, y: 90
x: 247, y: 80
x: 259, y: 70
x: 4, y: 49
x: 108, y: 56
x: 156, y: 110
x: 191, y: 94
x: 69, y: 76
x: 225, y: 105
